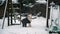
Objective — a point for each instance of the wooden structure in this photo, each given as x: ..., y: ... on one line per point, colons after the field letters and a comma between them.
x: 10, y: 11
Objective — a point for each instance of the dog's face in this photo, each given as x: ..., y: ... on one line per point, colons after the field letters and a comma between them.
x: 29, y: 17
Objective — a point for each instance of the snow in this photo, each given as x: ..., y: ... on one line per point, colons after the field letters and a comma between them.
x: 1, y: 22
x: 41, y: 1
x: 38, y: 27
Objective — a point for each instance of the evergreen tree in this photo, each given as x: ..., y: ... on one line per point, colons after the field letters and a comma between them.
x: 28, y: 1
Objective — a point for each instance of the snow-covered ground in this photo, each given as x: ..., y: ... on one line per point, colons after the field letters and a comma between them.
x: 38, y: 27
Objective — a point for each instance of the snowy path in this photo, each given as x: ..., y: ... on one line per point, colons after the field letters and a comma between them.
x: 38, y: 27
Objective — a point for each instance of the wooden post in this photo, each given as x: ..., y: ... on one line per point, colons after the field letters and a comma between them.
x: 4, y: 14
x: 10, y: 11
x: 47, y: 15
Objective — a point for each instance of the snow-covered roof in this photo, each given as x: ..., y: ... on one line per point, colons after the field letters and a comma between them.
x: 41, y: 1
x: 30, y: 5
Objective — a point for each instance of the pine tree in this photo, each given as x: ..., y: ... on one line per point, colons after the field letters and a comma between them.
x: 28, y: 1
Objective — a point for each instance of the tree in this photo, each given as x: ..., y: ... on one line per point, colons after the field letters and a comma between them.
x: 28, y: 1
